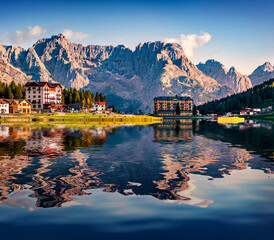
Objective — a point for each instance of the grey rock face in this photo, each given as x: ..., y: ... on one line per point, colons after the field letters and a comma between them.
x: 26, y: 61
x: 8, y: 73
x: 130, y: 79
x: 232, y: 78
x: 262, y: 73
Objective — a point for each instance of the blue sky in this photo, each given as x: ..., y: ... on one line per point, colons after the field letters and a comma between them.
x: 236, y: 33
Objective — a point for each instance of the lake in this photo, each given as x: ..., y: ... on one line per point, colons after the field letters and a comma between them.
x: 179, y: 179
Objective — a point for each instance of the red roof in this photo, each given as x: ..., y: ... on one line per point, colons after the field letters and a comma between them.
x: 3, y: 101
x: 101, y: 103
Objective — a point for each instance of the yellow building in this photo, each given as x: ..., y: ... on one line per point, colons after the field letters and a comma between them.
x: 166, y: 106
x: 20, y: 106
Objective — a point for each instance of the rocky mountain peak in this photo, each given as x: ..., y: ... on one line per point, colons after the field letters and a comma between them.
x: 214, y: 67
x: 268, y: 67
x: 262, y: 73
x: 232, y: 70
x: 232, y: 78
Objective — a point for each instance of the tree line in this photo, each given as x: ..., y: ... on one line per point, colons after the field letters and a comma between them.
x: 85, y: 96
x: 259, y: 96
x: 12, y: 90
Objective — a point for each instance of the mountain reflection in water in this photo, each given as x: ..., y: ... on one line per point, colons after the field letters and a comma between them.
x: 57, y: 163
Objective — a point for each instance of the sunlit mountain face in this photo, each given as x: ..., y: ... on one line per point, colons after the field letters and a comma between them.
x: 162, y: 161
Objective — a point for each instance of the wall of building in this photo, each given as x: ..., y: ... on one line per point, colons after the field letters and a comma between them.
x: 4, y: 108
x: 168, y: 107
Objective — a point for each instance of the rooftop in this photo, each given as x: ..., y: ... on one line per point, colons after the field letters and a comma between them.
x: 42, y: 84
x: 101, y: 103
x: 172, y: 98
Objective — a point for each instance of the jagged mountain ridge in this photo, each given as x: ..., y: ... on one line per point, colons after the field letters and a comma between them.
x: 131, y: 79
x: 230, y: 78
x: 8, y: 73
x: 27, y: 61
x: 262, y: 73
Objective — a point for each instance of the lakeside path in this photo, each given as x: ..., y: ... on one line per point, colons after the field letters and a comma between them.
x: 79, y: 118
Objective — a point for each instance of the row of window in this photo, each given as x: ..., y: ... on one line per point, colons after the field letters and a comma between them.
x: 34, y: 96
x: 182, y: 106
x: 38, y: 106
x: 46, y: 89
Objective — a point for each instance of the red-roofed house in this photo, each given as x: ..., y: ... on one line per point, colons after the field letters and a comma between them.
x: 99, y: 106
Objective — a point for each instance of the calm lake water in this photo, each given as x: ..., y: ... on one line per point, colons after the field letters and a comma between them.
x: 180, y: 179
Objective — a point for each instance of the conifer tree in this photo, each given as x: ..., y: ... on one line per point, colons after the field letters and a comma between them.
x: 10, y: 94
x: 18, y: 93
x: 97, y: 97
x: 178, y: 111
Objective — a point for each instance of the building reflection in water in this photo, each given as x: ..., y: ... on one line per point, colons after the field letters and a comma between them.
x: 57, y: 163
x: 175, y: 130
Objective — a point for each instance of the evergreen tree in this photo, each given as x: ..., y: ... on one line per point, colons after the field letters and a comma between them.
x: 97, y: 97
x: 70, y: 97
x: 101, y: 97
x: 92, y: 97
x: 18, y: 93
x: 77, y: 97
x: 194, y: 110
x: 178, y: 111
x: 10, y: 94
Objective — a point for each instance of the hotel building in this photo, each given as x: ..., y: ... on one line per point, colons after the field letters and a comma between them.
x: 44, y: 95
x: 166, y: 106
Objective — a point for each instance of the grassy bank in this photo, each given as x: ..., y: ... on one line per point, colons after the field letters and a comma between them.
x: 268, y: 117
x: 77, y: 118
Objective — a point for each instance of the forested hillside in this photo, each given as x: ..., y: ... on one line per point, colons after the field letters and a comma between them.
x: 257, y: 97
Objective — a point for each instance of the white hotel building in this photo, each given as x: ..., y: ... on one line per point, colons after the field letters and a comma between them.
x: 44, y: 95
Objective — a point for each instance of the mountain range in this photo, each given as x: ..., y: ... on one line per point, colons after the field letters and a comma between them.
x: 130, y: 79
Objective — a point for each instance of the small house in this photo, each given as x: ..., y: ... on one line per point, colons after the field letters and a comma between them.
x: 247, y: 111
x: 76, y: 106
x: 20, y: 106
x: 4, y: 106
x: 99, y: 106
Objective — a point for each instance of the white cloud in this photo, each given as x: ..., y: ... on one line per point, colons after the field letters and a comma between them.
x: 191, y: 41
x: 26, y: 35
x: 75, y: 35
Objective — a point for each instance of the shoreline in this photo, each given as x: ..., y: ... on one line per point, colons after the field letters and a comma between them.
x: 102, y: 119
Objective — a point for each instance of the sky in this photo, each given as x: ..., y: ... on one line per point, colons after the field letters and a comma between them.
x: 237, y: 33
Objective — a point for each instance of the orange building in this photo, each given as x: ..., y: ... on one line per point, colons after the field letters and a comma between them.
x: 20, y: 106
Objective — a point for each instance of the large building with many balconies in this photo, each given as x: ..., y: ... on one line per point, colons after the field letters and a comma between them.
x: 170, y: 106
x: 44, y: 95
